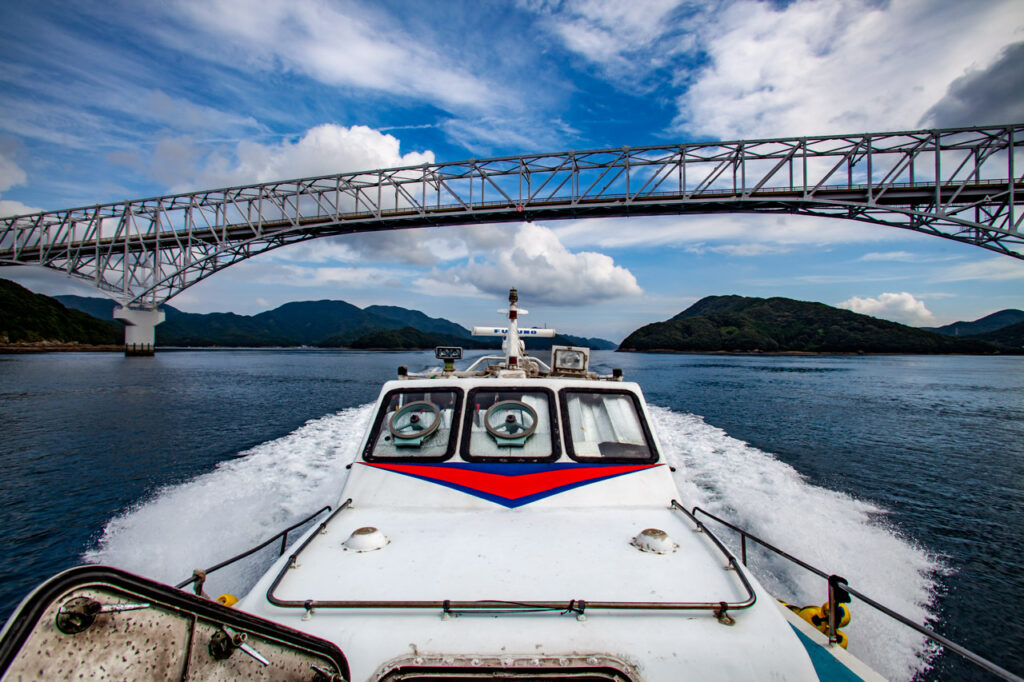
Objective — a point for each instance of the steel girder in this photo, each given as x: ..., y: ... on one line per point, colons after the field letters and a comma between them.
x: 964, y: 184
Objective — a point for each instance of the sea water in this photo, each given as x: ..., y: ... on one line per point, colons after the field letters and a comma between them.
x: 903, y: 474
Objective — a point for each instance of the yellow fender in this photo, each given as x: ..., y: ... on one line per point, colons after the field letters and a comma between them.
x: 842, y: 617
x: 814, y: 616
x: 818, y: 617
x: 227, y: 599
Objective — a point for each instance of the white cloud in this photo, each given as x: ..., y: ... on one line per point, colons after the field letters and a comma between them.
x: 339, y: 45
x: 821, y: 66
x: 902, y: 307
x: 996, y: 268
x: 897, y: 256
x: 268, y: 272
x: 771, y: 231
x: 626, y: 40
x: 483, y: 135
x: 322, y: 150
x: 752, y: 249
x: 10, y: 174
x: 536, y: 263
x: 9, y: 207
x: 904, y: 257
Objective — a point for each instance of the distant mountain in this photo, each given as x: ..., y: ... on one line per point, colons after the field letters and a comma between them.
x: 412, y: 338
x: 26, y: 317
x: 983, y: 325
x: 103, y: 308
x: 417, y: 320
x: 1012, y: 336
x: 569, y: 340
x: 740, y: 323
x: 325, y: 324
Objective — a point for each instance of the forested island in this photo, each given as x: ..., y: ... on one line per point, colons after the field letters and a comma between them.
x: 774, y: 325
x: 30, y: 321
x: 33, y: 321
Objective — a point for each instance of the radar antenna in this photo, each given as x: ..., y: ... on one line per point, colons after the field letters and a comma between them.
x: 512, y: 342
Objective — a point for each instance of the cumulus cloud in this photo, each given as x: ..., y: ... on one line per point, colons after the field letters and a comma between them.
x: 538, y: 264
x: 12, y: 175
x: 984, y: 95
x: 821, y: 66
x: 901, y: 307
x: 9, y: 207
x: 322, y: 150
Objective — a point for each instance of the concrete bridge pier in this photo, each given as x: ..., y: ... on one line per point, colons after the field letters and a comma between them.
x: 140, y: 330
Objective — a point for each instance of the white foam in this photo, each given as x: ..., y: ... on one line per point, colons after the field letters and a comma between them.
x: 247, y: 499
x: 234, y: 507
x: 827, y: 529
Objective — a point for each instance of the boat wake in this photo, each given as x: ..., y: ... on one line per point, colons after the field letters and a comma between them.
x: 267, y: 488
x: 827, y: 529
x: 236, y: 506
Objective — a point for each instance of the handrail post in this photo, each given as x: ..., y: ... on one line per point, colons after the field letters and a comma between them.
x: 743, y: 547
x: 832, y: 638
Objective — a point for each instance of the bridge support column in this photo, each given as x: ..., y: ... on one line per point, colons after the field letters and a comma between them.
x: 140, y: 330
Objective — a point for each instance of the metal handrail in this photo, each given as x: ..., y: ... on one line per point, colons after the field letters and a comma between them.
x: 200, y: 576
x: 494, y: 606
x: 974, y: 658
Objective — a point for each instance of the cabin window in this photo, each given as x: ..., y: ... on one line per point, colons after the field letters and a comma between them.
x: 510, y: 425
x: 415, y: 424
x: 606, y: 426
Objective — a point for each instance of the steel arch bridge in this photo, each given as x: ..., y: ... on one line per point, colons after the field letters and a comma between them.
x: 964, y: 184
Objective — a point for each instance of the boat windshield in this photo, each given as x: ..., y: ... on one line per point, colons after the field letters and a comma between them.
x: 509, y: 425
x: 415, y: 424
x: 605, y: 426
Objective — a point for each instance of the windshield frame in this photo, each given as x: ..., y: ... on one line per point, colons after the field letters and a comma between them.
x: 378, y: 424
x: 641, y: 415
x: 467, y: 425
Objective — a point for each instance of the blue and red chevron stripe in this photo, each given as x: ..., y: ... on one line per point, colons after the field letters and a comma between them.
x: 512, y: 485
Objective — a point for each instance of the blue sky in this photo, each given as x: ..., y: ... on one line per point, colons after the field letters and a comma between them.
x: 103, y: 101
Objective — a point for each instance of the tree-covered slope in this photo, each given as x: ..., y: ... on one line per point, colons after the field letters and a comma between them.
x: 1012, y: 336
x: 412, y: 338
x: 420, y: 321
x: 739, y: 323
x: 26, y: 317
x: 983, y: 325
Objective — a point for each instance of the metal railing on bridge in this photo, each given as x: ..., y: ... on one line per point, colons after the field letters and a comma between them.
x: 962, y: 184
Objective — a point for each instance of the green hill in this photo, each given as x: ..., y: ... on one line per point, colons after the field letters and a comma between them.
x: 739, y: 323
x: 26, y: 317
x: 409, y: 338
x: 1012, y: 336
x: 324, y: 324
x: 983, y: 325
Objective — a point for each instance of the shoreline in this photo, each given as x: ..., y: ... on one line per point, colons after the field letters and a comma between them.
x: 49, y: 347
x: 812, y: 353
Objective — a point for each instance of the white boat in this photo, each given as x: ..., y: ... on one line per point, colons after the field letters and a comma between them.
x: 516, y: 520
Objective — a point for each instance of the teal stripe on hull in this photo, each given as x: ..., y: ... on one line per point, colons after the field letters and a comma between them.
x: 826, y: 667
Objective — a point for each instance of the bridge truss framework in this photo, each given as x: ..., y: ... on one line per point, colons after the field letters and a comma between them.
x: 964, y: 184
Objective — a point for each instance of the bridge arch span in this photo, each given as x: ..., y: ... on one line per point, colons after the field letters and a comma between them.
x: 963, y: 184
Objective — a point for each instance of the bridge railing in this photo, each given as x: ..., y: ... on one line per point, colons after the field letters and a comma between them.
x: 968, y: 182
